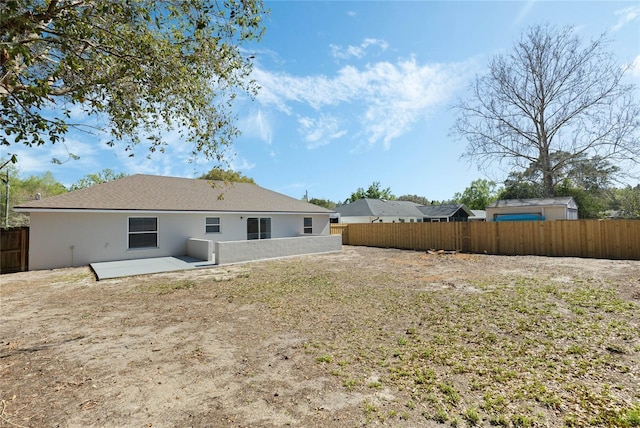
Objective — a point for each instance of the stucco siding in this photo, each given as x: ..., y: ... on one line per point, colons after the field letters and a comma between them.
x: 243, y: 251
x: 63, y: 239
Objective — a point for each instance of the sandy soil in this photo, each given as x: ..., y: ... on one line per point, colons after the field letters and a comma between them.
x: 226, y: 346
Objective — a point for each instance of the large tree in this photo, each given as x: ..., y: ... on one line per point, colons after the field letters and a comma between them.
x: 142, y: 66
x: 373, y: 192
x: 478, y: 195
x: 626, y: 201
x: 103, y: 176
x: 227, y: 175
x: 422, y: 200
x: 326, y: 203
x: 21, y: 190
x: 552, y: 101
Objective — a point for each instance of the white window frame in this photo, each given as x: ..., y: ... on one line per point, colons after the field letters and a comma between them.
x: 260, y: 232
x: 141, y: 232
x: 307, y: 229
x: 212, y: 224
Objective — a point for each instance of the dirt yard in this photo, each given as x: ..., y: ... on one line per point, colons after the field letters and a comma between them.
x: 365, y: 337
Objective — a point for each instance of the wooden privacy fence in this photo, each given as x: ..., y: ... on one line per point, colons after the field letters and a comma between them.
x: 14, y: 250
x: 607, y: 239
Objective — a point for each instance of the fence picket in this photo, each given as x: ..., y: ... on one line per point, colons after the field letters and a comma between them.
x: 608, y: 239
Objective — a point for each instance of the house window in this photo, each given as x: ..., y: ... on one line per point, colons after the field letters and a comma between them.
x: 143, y: 232
x: 212, y: 225
x: 308, y: 225
x: 258, y: 228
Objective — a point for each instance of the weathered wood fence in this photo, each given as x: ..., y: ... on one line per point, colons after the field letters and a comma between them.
x: 14, y: 250
x: 607, y: 239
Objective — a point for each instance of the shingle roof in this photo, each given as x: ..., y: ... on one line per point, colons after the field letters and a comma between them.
x: 158, y: 193
x: 366, y: 207
x: 439, y: 211
x: 538, y: 202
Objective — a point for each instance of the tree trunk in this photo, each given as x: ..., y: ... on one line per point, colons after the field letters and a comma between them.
x: 547, y: 174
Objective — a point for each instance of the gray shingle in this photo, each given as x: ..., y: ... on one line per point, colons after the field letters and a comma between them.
x: 367, y: 207
x: 158, y: 193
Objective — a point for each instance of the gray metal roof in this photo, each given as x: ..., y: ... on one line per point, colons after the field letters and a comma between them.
x: 565, y: 201
x: 157, y: 193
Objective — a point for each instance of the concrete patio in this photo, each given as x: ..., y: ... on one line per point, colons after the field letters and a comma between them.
x: 122, y: 268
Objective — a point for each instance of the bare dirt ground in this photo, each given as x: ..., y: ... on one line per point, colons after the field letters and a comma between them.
x: 364, y: 337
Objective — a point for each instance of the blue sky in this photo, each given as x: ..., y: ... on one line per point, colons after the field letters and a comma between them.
x: 358, y: 92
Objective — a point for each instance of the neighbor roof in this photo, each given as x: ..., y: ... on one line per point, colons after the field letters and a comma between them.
x: 565, y: 201
x: 440, y: 211
x: 157, y: 193
x: 366, y: 207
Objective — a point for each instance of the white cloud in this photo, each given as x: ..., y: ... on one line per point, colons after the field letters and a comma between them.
x: 385, y: 98
x: 625, y: 16
x: 241, y: 164
x: 258, y: 125
x: 360, y: 51
x: 320, y: 131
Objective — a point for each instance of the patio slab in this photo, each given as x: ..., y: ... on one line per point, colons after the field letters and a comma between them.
x: 122, y: 268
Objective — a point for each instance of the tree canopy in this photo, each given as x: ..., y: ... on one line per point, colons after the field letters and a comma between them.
x: 414, y: 198
x: 326, y: 203
x: 101, y: 177
x: 23, y: 190
x: 374, y: 192
x: 478, y: 195
x: 142, y: 66
x: 626, y: 202
x: 227, y: 175
x: 553, y: 101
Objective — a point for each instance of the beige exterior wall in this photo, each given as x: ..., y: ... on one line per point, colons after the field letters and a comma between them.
x: 64, y: 239
x: 549, y: 213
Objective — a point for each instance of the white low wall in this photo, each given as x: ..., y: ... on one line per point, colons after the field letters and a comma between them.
x: 244, y: 251
x: 200, y: 249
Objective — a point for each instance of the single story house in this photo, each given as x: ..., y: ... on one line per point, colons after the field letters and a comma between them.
x: 368, y: 210
x: 445, y: 213
x: 146, y: 216
x: 561, y: 208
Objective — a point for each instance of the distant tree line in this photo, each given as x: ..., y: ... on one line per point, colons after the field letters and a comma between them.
x: 588, y: 182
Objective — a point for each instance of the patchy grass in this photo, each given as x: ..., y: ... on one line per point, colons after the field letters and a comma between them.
x: 514, y: 350
x: 364, y: 337
x: 166, y: 287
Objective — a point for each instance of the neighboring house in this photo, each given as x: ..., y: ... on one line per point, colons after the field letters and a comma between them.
x: 445, y: 213
x: 368, y: 210
x: 478, y: 215
x: 561, y: 208
x: 144, y: 216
